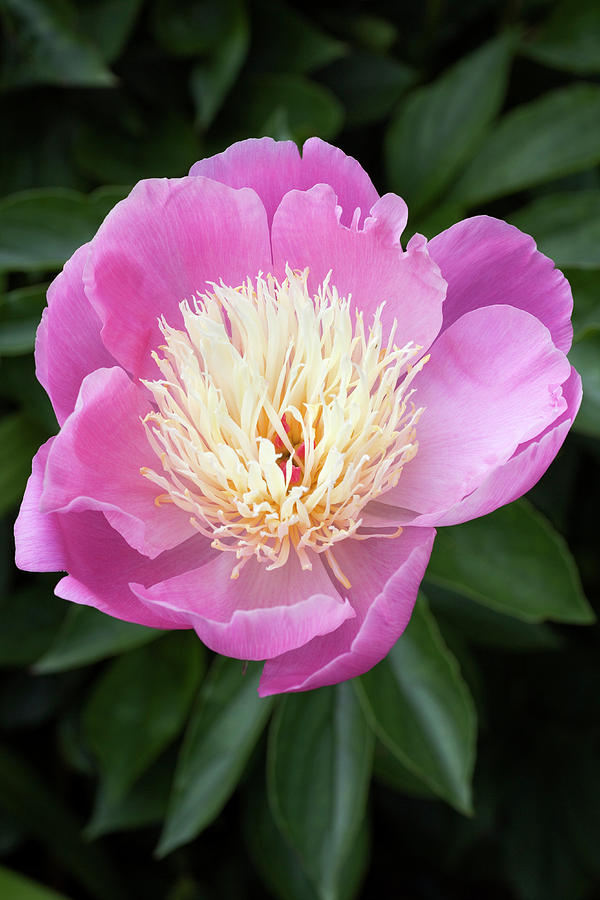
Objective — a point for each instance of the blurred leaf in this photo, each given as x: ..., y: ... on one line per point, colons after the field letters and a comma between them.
x: 438, y: 127
x: 88, y: 635
x: 14, y: 886
x: 370, y: 32
x: 145, y: 803
x: 210, y: 81
x: 307, y: 107
x: 300, y: 46
x: 368, y: 85
x: 192, y: 27
x: 585, y: 356
x: 19, y: 440
x: 109, y: 24
x: 29, y: 701
x: 536, y: 142
x: 40, y: 229
x: 41, y: 813
x: 570, y: 38
x: 420, y: 707
x: 441, y: 217
x: 29, y: 620
x: 318, y: 769
x: 139, y: 706
x: 43, y: 47
x: 19, y: 385
x: 278, y: 864
x: 225, y: 726
x: 580, y: 794
x: 388, y: 769
x: 513, y: 561
x: 20, y: 313
x: 585, y: 285
x: 566, y: 227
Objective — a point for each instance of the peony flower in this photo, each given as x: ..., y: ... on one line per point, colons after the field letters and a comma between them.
x: 266, y: 406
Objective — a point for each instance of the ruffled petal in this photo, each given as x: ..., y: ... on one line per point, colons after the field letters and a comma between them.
x: 68, y: 345
x: 96, y: 459
x: 272, y: 168
x: 385, y: 577
x: 487, y: 262
x: 492, y: 383
x: 158, y: 247
x: 367, y: 263
x: 258, y: 615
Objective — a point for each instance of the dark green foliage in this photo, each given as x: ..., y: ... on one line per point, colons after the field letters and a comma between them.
x: 466, y: 764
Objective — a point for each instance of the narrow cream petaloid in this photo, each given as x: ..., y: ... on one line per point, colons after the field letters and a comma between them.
x: 279, y: 417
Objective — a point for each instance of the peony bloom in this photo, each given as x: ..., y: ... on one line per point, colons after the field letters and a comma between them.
x: 266, y: 406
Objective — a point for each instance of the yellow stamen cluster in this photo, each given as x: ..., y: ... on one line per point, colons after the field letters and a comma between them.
x: 279, y: 417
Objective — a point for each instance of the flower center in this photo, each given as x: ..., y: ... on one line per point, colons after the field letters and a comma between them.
x: 279, y: 417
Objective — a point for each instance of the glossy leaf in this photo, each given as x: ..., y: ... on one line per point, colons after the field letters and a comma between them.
x: 319, y: 768
x: 225, y: 726
x: 439, y: 126
x: 514, y: 561
x: 536, y: 142
x: 585, y: 356
x: 569, y: 39
x: 566, y: 227
x: 15, y: 886
x: 139, y: 706
x: 420, y: 707
x: 88, y: 635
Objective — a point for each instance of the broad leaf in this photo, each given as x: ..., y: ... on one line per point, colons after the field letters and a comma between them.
x: 514, y: 561
x: 438, y: 127
x: 192, y: 27
x: 19, y: 440
x: 225, y: 726
x: 566, y: 227
x: 368, y: 85
x: 301, y: 46
x: 420, y: 707
x: 20, y: 312
x: 14, y: 886
x: 536, y: 142
x: 109, y: 24
x: 88, y: 635
x: 585, y: 284
x: 585, y: 356
x: 139, y: 706
x: 570, y: 38
x: 319, y: 768
x: 29, y: 622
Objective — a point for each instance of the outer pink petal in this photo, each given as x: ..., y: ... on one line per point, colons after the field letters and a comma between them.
x: 162, y: 244
x: 95, y: 463
x: 519, y: 474
x: 486, y: 262
x: 273, y: 168
x: 492, y: 383
x: 258, y: 615
x: 385, y: 576
x: 68, y: 344
x: 367, y: 263
x: 100, y: 562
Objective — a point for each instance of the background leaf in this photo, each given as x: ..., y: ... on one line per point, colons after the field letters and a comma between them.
x: 566, y: 227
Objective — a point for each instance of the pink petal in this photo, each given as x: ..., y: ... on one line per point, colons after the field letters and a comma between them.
x: 486, y: 262
x: 161, y: 245
x: 95, y: 463
x: 272, y: 168
x: 258, y: 615
x: 385, y: 576
x: 68, y: 344
x: 367, y: 263
x: 492, y: 383
x: 101, y: 564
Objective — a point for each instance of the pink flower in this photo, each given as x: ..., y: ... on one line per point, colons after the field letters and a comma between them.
x: 266, y: 406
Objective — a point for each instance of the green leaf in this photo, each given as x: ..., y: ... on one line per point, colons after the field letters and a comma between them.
x: 388, y: 769
x: 319, y: 768
x: 566, y: 227
x: 29, y: 621
x: 109, y: 24
x: 569, y: 39
x: 585, y: 284
x: 513, y: 561
x: 278, y: 864
x: 139, y: 706
x: 222, y: 732
x: 420, y: 707
x: 192, y: 27
x: 46, y: 48
x: 536, y: 142
x: 307, y: 107
x: 20, y: 312
x: 19, y: 440
x: 301, y: 46
x: 585, y: 356
x: 439, y: 126
x: 88, y: 635
x: 42, y: 815
x: 40, y: 229
x: 368, y: 85
x: 14, y: 886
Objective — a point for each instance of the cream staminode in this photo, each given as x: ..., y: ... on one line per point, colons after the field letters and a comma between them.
x: 279, y: 417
